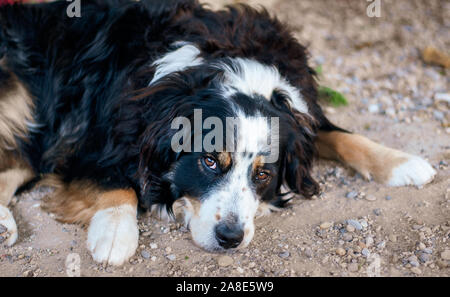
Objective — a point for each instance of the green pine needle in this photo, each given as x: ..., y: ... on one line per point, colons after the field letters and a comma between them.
x: 331, y: 96
x: 319, y: 70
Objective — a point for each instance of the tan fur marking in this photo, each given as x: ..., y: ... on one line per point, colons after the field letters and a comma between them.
x: 224, y: 159
x: 370, y: 159
x: 78, y: 202
x: 10, y: 180
x: 196, y: 204
x: 16, y: 111
x: 258, y: 163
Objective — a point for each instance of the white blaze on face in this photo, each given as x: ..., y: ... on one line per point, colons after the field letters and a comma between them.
x: 234, y: 197
x: 252, y: 77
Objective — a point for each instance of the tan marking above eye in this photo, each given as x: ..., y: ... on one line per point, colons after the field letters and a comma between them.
x: 258, y: 163
x: 224, y: 159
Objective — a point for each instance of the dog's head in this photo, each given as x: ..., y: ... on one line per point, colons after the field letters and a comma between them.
x: 221, y: 139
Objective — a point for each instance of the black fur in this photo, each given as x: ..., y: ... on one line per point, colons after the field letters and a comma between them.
x: 99, y: 120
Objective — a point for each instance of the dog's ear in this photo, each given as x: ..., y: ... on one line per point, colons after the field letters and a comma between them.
x: 299, y: 150
x: 168, y: 109
x: 156, y: 154
x: 297, y: 167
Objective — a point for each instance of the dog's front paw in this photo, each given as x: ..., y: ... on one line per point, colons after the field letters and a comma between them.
x: 113, y: 235
x: 414, y: 171
x: 8, y: 227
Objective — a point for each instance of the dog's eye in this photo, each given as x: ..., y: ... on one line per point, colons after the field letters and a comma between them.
x: 262, y: 175
x: 210, y: 162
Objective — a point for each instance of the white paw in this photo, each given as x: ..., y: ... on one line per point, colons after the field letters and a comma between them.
x: 113, y: 235
x: 415, y: 171
x: 8, y: 227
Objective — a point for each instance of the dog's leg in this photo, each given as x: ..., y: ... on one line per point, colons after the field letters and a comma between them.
x: 372, y: 160
x: 111, y: 215
x: 16, y: 116
x: 113, y: 233
x: 10, y: 180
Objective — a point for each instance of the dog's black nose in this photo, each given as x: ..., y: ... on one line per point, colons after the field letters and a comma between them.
x: 229, y: 235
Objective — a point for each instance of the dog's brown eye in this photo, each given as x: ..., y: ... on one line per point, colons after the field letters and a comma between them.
x: 262, y: 175
x: 210, y: 162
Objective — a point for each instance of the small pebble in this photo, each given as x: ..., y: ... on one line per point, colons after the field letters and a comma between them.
x: 364, y: 223
x: 381, y: 245
x: 347, y: 237
x: 351, y: 195
x: 373, y: 108
x: 145, y: 254
x: 388, y: 198
x: 442, y: 97
x: 350, y: 228
x: 225, y: 261
x: 414, y: 263
x: 428, y: 251
x: 28, y: 273
x: 325, y: 225
x: 423, y: 257
x: 371, y: 198
x: 377, y: 212
x: 147, y: 233
x: 171, y: 257
x: 284, y: 255
x: 340, y: 251
x: 365, y: 252
x: 416, y: 270
x: 355, y: 224
x: 153, y: 246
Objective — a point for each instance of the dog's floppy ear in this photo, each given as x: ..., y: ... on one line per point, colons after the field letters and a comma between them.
x: 156, y: 153
x: 299, y: 150
x: 172, y: 98
x: 297, y: 167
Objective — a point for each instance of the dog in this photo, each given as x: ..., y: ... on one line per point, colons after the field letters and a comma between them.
x: 95, y: 107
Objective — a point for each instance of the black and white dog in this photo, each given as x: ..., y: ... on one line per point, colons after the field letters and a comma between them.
x: 88, y: 106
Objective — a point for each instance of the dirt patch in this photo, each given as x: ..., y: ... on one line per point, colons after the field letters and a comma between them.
x: 394, y: 99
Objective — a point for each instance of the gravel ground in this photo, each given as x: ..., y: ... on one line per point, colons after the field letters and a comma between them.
x: 354, y: 228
